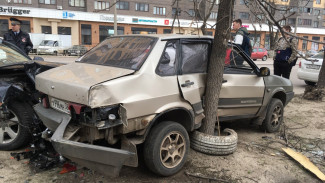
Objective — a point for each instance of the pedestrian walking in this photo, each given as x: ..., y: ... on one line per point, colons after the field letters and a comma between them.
x: 242, y: 36
x: 285, y: 54
x: 17, y: 37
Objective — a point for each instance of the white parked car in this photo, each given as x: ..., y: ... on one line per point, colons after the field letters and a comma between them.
x: 309, y: 70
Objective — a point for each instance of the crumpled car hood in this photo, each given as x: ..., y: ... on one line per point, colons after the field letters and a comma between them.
x: 73, y: 81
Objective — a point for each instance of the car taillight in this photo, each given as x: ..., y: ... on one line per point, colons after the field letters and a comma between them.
x: 45, y: 102
x: 299, y: 64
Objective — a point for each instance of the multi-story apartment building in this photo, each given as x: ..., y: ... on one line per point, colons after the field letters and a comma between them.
x: 90, y: 21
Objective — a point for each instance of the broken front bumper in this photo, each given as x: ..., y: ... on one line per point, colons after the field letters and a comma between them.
x: 106, y: 160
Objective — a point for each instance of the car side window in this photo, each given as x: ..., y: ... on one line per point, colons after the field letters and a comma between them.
x: 254, y: 50
x: 260, y: 50
x: 167, y: 63
x: 195, y: 58
x: 235, y: 63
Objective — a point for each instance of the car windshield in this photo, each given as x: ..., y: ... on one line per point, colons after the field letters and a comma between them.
x: 46, y: 43
x: 124, y: 52
x: 319, y: 55
x: 9, y: 56
x: 75, y: 47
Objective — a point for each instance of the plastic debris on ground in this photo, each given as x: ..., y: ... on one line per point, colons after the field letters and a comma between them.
x: 67, y: 167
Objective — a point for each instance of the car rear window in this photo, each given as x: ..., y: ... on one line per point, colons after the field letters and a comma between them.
x: 125, y: 52
x: 319, y: 55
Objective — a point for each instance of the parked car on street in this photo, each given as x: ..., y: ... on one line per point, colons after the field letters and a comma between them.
x: 311, y: 53
x: 77, y: 50
x: 309, y: 70
x: 149, y: 89
x: 17, y: 96
x: 259, y: 53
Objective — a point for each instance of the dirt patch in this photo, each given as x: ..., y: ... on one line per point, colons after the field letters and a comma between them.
x: 259, y: 157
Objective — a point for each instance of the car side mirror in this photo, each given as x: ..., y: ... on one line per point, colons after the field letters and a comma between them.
x: 264, y: 71
x: 38, y: 58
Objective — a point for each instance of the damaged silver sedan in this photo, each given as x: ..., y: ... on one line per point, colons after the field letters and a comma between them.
x: 132, y: 90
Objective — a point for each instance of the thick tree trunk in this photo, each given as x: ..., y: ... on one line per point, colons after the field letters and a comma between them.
x: 321, y: 77
x: 216, y: 65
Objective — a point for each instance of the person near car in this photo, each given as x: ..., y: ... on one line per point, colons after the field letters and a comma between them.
x: 285, y: 54
x: 17, y: 37
x: 242, y: 36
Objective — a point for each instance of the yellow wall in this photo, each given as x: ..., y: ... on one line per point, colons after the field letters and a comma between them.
x: 279, y: 2
x: 321, y: 5
x: 54, y: 23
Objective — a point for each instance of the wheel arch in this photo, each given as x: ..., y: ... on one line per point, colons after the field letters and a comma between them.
x: 280, y: 95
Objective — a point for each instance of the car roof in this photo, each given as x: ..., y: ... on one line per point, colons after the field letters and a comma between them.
x: 171, y: 36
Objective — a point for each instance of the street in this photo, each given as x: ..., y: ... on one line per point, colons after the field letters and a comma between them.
x: 299, y: 85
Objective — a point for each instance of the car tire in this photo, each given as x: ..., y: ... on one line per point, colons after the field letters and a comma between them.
x: 215, y: 145
x: 264, y: 58
x: 15, y: 132
x: 56, y: 53
x: 166, y: 148
x: 310, y: 83
x: 274, y: 116
x: 254, y: 59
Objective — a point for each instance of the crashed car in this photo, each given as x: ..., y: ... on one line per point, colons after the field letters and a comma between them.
x: 149, y: 89
x: 18, y: 121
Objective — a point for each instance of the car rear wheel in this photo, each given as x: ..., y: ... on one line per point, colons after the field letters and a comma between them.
x: 254, y: 59
x: 310, y: 83
x: 166, y: 148
x: 264, y: 58
x: 14, y: 131
x: 274, y: 116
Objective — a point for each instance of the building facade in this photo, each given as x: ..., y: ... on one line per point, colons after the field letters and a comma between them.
x: 90, y: 21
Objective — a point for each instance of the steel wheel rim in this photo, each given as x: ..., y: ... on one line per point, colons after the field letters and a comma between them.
x: 276, y: 116
x: 9, y: 129
x: 172, y: 149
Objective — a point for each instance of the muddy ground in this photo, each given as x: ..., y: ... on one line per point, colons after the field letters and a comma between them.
x: 259, y: 157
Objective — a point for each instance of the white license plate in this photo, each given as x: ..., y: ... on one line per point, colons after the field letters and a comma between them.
x: 60, y: 105
x: 310, y: 66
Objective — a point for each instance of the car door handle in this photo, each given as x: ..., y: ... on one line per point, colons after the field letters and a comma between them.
x: 187, y: 83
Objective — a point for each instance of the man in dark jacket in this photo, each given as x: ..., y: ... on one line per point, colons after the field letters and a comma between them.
x: 242, y: 36
x: 19, y: 38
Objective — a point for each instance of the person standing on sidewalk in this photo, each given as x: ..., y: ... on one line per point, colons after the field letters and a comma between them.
x: 242, y: 38
x: 18, y: 37
x: 285, y: 54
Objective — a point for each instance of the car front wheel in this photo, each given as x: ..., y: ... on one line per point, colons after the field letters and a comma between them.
x: 310, y: 83
x: 274, y: 116
x: 264, y: 58
x: 166, y: 148
x: 14, y: 130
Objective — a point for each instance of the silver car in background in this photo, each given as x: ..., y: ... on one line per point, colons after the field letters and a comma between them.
x: 309, y: 70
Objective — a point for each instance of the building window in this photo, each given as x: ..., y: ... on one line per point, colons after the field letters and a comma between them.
x: 25, y: 26
x: 47, y: 1
x: 304, y: 43
x: 107, y: 31
x: 242, y: 2
x: 3, y: 27
x: 213, y: 15
x: 139, y: 30
x: 318, y: 1
x: 23, y: 1
x: 307, y: 10
x: 293, y: 9
x: 282, y: 22
x: 316, y: 24
x: 284, y: 0
x: 323, y: 24
x: 101, y: 5
x: 191, y: 12
x: 304, y: 21
x: 291, y: 21
x: 244, y: 15
x: 77, y: 3
x: 64, y: 30
x: 141, y: 7
x: 316, y: 12
x: 167, y: 31
x: 122, y: 5
x: 46, y: 29
x: 86, y: 34
x: 159, y: 11
x: 174, y: 10
x: 315, y: 46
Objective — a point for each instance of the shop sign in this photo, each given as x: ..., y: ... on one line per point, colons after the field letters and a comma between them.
x: 166, y: 22
x: 137, y: 20
x: 14, y: 11
x: 247, y: 26
x: 68, y: 15
x: 110, y: 18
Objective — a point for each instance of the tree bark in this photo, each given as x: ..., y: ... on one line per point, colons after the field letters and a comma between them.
x: 216, y: 65
x: 321, y: 77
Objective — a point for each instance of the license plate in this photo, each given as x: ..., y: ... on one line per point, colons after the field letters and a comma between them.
x: 60, y: 105
x: 310, y: 66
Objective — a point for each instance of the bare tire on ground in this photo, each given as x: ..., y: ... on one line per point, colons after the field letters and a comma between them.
x: 310, y: 83
x: 14, y: 132
x: 264, y: 58
x: 215, y: 145
x: 166, y: 148
x: 274, y: 116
